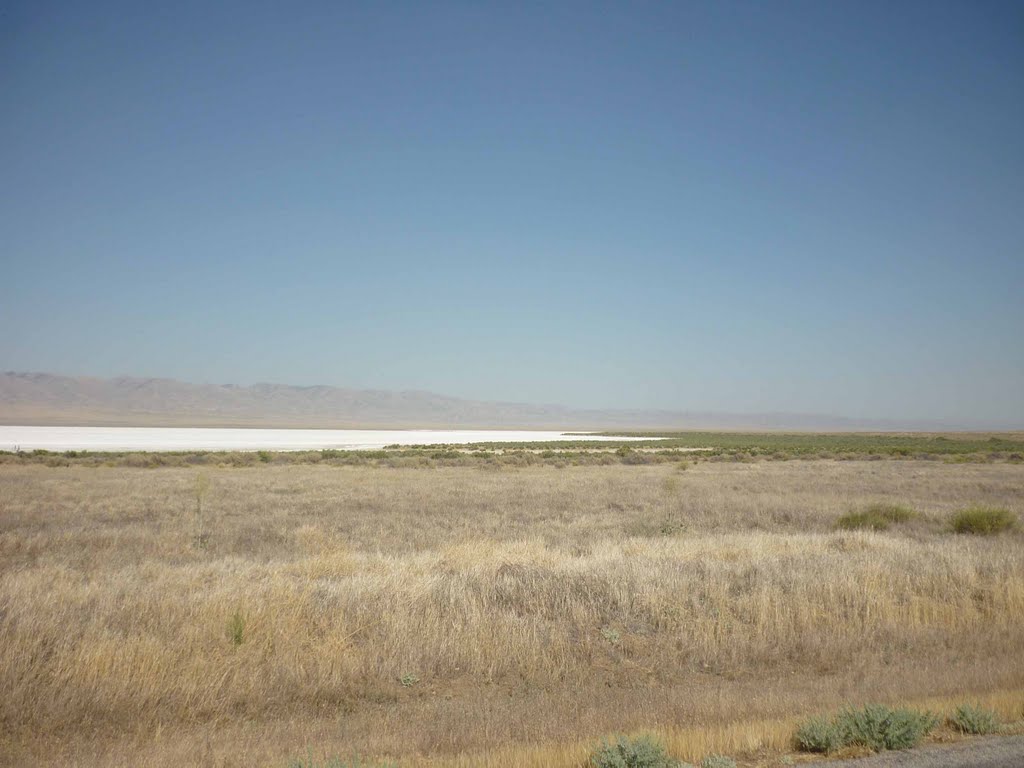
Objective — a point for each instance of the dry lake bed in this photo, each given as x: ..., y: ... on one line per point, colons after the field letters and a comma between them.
x: 208, y: 439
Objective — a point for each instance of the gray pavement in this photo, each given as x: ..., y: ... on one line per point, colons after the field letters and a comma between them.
x: 988, y: 752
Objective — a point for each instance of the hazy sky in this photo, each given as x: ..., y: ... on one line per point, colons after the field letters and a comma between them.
x: 813, y: 207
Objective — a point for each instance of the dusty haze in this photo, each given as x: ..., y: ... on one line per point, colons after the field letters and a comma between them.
x: 47, y: 399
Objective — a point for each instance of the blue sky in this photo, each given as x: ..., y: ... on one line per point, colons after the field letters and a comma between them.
x: 785, y: 206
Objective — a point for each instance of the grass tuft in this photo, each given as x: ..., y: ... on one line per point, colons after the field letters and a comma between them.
x: 877, y: 517
x: 869, y: 521
x: 236, y: 628
x: 894, y: 513
x: 985, y: 521
x: 611, y: 635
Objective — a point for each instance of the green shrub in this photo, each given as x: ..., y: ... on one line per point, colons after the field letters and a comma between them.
x: 983, y: 520
x: 879, y: 727
x: 717, y: 761
x: 894, y: 513
x: 639, y: 752
x: 875, y: 726
x: 877, y: 517
x: 971, y: 718
x: 611, y: 635
x: 818, y: 734
x: 862, y: 520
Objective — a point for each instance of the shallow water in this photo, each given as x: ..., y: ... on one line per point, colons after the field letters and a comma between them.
x: 202, y: 439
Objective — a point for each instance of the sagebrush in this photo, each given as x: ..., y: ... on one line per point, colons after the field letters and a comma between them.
x: 874, y: 726
x: 635, y: 752
x: 975, y: 719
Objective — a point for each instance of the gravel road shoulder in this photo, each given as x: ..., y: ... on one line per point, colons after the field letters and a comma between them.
x: 989, y: 752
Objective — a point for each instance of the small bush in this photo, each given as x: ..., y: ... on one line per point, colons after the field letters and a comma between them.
x: 983, y: 520
x: 878, y: 727
x: 717, y: 761
x: 875, y: 726
x: 862, y: 521
x: 639, y: 752
x: 877, y: 517
x: 894, y: 513
x: 409, y: 680
x: 611, y: 635
x: 971, y: 718
x: 818, y: 734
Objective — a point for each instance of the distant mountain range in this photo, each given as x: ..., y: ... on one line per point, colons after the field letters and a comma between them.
x: 41, y: 398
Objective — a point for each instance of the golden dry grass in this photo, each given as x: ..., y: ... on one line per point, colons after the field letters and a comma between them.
x: 539, y: 609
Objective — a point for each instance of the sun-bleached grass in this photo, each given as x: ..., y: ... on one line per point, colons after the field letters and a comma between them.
x: 735, y: 604
x: 748, y: 737
x: 149, y: 641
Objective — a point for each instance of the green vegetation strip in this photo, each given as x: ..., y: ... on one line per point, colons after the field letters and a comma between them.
x: 803, y: 444
x: 879, y: 728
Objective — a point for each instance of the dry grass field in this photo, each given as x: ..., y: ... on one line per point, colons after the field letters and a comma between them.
x: 501, y: 617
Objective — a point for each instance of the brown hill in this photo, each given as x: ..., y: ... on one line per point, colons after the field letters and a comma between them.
x: 41, y: 398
